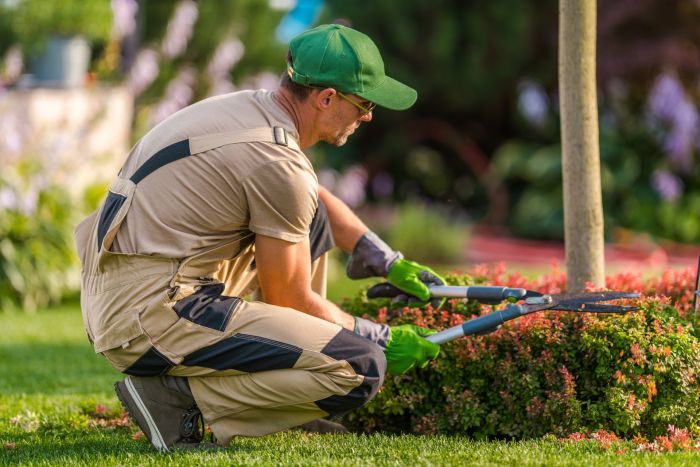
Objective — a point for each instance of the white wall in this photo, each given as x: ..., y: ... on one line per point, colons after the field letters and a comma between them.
x: 80, y: 136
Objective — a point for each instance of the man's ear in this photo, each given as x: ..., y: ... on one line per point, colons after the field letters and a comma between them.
x: 324, y: 98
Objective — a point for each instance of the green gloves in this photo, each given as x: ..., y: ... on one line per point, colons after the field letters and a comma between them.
x: 404, y: 346
x: 407, y: 347
x: 413, y: 278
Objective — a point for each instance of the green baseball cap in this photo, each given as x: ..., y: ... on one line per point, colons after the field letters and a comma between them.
x: 348, y: 61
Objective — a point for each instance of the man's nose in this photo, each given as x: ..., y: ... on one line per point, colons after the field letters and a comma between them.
x: 366, y: 117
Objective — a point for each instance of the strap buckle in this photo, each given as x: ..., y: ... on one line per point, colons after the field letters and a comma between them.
x: 280, y: 135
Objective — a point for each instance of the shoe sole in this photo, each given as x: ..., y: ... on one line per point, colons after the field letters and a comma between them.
x: 138, y: 412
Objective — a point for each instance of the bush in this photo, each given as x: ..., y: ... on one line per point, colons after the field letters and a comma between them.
x: 549, y: 372
x: 410, y: 233
x: 38, y: 263
x: 35, y: 21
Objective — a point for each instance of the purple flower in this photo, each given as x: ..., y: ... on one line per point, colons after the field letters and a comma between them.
x: 674, y: 117
x: 29, y: 201
x: 351, y: 186
x: 679, y: 142
x: 144, y: 70
x: 177, y: 95
x: 13, y: 134
x: 221, y: 86
x: 533, y: 103
x: 667, y: 185
x: 8, y: 199
x: 225, y: 57
x: 665, y: 97
x: 180, y: 28
x: 382, y: 185
x: 227, y: 54
x: 124, y: 13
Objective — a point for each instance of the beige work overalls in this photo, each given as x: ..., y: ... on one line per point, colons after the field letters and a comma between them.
x: 253, y: 368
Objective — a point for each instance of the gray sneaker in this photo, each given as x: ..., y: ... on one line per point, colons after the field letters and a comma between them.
x: 164, y: 409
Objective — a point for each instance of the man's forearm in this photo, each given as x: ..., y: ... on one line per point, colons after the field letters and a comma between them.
x: 327, y: 310
x: 346, y: 226
x: 313, y: 304
x: 284, y: 273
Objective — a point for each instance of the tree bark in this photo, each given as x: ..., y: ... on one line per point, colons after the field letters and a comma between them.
x: 583, y: 205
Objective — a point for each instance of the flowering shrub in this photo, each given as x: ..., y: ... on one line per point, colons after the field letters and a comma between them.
x: 548, y: 372
x: 38, y: 263
x: 676, y: 439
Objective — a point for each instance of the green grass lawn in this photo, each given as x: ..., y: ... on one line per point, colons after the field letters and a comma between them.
x: 52, y: 382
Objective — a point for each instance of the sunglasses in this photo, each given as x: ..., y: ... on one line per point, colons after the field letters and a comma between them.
x: 364, y: 110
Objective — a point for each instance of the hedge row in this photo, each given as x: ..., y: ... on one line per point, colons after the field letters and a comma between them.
x: 551, y: 372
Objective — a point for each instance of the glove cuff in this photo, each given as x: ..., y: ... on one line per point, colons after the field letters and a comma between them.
x: 371, y: 257
x: 377, y: 333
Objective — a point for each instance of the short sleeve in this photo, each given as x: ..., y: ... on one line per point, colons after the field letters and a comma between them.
x: 282, y: 199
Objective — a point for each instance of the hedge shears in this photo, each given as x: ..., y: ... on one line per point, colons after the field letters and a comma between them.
x: 522, y: 302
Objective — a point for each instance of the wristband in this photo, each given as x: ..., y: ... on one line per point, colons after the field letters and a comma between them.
x: 377, y: 333
x: 371, y: 257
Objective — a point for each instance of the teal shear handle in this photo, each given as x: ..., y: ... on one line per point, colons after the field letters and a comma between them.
x: 478, y: 325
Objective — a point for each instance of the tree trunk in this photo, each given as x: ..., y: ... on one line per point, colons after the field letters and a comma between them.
x: 583, y: 205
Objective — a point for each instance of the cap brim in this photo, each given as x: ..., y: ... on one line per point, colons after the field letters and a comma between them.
x: 391, y: 94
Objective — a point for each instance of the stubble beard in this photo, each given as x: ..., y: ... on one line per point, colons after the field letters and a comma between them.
x: 342, y: 138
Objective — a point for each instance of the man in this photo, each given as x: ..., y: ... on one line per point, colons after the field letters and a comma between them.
x: 219, y: 201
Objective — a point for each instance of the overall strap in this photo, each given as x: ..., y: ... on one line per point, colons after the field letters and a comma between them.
x: 119, y: 193
x: 199, y: 144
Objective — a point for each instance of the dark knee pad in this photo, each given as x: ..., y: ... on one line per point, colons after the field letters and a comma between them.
x: 367, y: 359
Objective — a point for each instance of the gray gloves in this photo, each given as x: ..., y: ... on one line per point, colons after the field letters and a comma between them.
x: 371, y: 257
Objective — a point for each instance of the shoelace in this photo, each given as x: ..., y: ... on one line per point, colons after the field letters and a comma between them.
x: 192, y: 426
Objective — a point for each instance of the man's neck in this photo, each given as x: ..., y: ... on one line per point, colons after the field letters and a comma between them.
x: 298, y: 113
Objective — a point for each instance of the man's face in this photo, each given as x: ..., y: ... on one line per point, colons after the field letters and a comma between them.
x: 345, y: 118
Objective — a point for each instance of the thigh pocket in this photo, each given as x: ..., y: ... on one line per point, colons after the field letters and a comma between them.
x: 208, y: 308
x: 123, y: 341
x: 119, y: 333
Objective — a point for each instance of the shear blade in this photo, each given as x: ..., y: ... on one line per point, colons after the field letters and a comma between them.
x: 531, y: 294
x: 594, y: 308
x: 593, y: 297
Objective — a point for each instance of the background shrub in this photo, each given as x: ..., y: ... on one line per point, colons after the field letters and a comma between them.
x: 550, y: 372
x: 408, y: 233
x: 495, y: 138
x: 38, y: 262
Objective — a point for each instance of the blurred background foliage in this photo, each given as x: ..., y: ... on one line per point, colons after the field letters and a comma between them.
x: 36, y: 247
x: 182, y: 52
x: 481, y: 145
x: 33, y: 21
x: 487, y: 115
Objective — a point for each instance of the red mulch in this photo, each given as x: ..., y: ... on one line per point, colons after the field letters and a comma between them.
x: 485, y: 248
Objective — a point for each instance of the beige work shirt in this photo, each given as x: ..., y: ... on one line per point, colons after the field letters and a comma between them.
x: 220, y: 195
